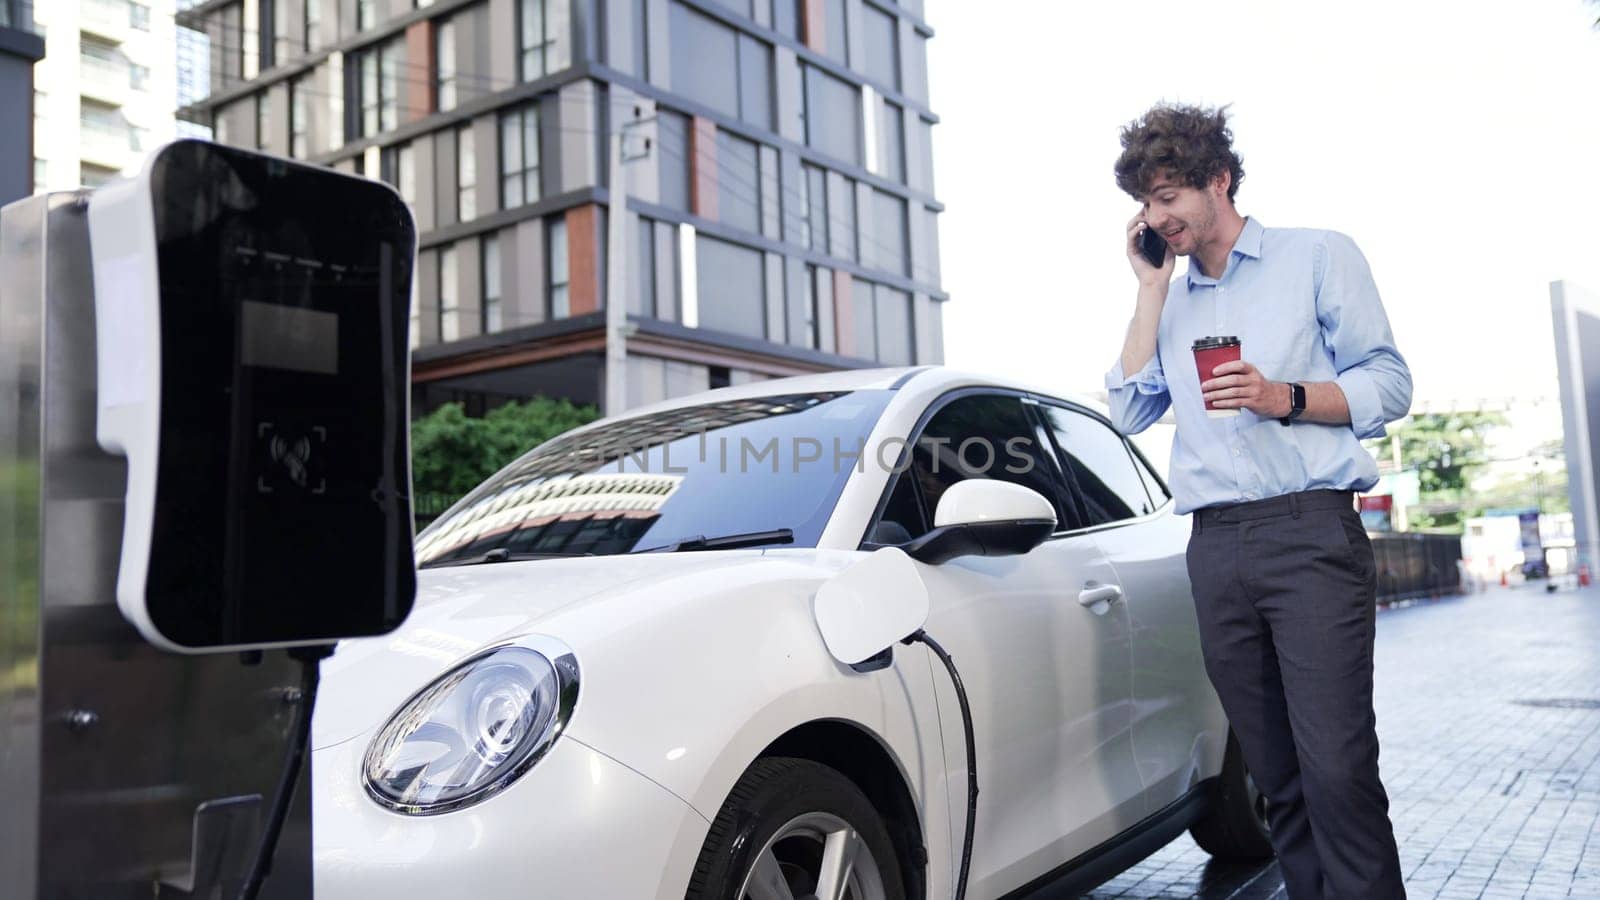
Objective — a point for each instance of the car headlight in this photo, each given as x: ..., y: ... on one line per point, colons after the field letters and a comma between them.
x: 474, y: 730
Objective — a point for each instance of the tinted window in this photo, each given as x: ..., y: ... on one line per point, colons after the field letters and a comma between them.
x: 738, y: 180
x: 1098, y: 463
x: 833, y: 116
x: 712, y: 469
x: 732, y: 287
x: 978, y: 436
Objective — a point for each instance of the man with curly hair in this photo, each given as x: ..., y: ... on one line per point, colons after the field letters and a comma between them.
x: 1283, y: 575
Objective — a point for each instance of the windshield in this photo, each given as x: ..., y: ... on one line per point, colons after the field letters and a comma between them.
x: 732, y: 467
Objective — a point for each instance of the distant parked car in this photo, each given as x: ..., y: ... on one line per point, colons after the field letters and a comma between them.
x: 618, y: 682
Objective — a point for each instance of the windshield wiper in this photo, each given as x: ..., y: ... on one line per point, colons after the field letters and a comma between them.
x: 725, y: 542
x: 498, y: 554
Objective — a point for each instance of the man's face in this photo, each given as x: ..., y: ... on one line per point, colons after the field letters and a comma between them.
x: 1186, y: 216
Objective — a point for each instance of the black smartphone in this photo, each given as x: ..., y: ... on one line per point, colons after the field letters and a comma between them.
x: 1153, y: 246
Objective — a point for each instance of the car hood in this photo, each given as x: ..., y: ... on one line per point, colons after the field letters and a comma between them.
x: 461, y: 609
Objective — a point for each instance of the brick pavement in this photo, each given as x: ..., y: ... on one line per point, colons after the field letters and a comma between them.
x: 1489, y: 719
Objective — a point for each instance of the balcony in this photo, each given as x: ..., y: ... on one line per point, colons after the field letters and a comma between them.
x: 109, y: 144
x: 104, y: 79
x: 109, y: 19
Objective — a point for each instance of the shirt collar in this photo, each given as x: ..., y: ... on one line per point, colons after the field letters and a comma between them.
x: 1248, y: 243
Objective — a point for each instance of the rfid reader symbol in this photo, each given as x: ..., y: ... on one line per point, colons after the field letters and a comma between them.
x: 292, y: 457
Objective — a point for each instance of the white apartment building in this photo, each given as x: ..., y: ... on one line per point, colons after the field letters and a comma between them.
x: 105, y: 92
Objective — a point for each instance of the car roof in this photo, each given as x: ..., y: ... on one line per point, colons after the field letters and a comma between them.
x: 922, y: 380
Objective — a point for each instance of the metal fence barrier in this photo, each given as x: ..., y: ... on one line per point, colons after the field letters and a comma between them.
x: 1412, y: 566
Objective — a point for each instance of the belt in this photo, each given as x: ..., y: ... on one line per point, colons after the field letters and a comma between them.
x: 1285, y: 505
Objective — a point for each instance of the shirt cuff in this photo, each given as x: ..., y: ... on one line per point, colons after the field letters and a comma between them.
x: 1366, y: 409
x: 1148, y: 380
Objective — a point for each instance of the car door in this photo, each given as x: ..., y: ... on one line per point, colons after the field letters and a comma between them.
x: 1177, y: 720
x: 1048, y: 676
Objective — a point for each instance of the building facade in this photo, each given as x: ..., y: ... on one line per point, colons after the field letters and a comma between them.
x: 20, y: 48
x: 105, y: 90
x: 781, y: 215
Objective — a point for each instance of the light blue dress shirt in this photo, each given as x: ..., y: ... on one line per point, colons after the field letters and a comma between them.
x: 1305, y: 308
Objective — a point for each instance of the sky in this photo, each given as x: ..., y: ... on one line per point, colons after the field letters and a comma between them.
x: 1458, y: 143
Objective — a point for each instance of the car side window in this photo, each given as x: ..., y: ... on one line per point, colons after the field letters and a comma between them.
x: 1158, y: 492
x: 976, y: 436
x: 1100, y: 466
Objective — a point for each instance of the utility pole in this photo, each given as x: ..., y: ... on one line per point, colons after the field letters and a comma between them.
x: 616, y: 371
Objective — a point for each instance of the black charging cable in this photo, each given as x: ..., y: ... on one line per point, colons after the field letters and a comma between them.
x: 310, y: 659
x: 972, y: 756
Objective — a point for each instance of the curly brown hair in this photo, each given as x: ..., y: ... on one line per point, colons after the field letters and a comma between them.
x: 1190, y: 143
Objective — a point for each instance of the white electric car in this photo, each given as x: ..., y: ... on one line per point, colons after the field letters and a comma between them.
x: 678, y: 653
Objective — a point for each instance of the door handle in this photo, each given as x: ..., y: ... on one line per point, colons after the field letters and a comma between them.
x: 1094, y: 595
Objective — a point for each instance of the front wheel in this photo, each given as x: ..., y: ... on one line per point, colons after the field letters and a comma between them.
x: 795, y: 828
x: 1236, y: 825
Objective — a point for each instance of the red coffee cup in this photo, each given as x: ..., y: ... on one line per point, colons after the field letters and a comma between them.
x: 1210, y: 352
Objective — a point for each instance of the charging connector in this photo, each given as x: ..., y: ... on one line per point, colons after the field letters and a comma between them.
x: 310, y: 659
x: 972, y: 755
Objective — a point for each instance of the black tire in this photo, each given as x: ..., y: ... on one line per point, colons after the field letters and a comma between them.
x: 773, y: 793
x: 1235, y: 826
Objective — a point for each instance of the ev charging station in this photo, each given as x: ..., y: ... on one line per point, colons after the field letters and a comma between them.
x: 204, y: 484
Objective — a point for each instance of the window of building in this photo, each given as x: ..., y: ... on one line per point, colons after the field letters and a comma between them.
x: 732, y: 287
x: 493, y: 314
x: 811, y: 333
x: 642, y: 258
x: 738, y: 182
x: 379, y: 88
x: 841, y: 216
x: 814, y: 207
x: 138, y: 77
x: 102, y: 61
x: 466, y: 175
x: 445, y: 64
x: 139, y: 16
x: 400, y: 171
x: 892, y: 137
x: 786, y: 18
x: 449, y: 295
x: 641, y: 39
x: 729, y: 71
x: 832, y: 115
x: 220, y: 130
x: 892, y: 309
x: 889, y: 239
x: 311, y: 13
x: 672, y: 133
x: 263, y: 120
x: 275, y: 49
x: 416, y: 313
x: 519, y: 157
x: 836, y: 30
x: 881, y: 34
x: 556, y: 253
x: 299, y: 118
x: 1098, y: 466
x: 535, y: 42
x: 864, y: 318
x: 366, y: 14
x: 41, y: 175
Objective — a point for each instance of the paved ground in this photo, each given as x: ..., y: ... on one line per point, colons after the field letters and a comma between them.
x: 1489, y: 719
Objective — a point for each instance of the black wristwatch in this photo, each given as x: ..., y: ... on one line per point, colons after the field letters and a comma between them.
x: 1297, y: 403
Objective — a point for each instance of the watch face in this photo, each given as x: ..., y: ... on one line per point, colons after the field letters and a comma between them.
x: 282, y: 509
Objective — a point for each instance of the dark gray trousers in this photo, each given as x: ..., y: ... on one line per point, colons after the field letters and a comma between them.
x: 1285, y: 592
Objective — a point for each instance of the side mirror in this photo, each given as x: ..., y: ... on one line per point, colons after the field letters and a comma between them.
x: 865, y: 609
x: 984, y: 517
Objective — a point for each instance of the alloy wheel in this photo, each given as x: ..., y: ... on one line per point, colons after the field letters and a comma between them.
x: 815, y: 856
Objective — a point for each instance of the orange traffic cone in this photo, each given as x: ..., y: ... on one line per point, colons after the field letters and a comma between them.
x: 1583, y: 576
x: 1503, y: 581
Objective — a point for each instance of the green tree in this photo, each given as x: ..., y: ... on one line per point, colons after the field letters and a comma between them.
x: 1447, y: 450
x: 452, y: 452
